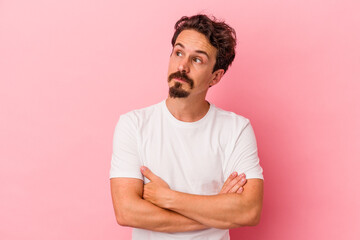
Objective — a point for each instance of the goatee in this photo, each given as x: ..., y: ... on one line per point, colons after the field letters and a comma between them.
x: 176, y: 91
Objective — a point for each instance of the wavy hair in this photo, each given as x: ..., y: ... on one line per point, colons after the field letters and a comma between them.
x: 219, y: 34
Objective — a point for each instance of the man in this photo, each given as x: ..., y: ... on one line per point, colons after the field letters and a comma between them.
x: 170, y: 160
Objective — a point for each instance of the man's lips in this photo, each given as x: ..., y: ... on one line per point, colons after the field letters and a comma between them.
x: 180, y: 77
x: 180, y: 80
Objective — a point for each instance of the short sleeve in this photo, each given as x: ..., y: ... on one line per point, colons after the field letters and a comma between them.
x: 125, y: 161
x: 244, y: 155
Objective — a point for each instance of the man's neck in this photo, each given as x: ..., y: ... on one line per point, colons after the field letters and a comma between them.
x: 186, y: 110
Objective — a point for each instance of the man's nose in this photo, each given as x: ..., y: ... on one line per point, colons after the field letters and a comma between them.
x: 184, y: 65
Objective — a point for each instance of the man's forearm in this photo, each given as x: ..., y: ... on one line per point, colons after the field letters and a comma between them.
x: 133, y: 211
x: 143, y: 214
x: 219, y: 211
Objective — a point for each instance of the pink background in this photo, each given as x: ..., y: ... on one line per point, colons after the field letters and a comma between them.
x: 68, y: 69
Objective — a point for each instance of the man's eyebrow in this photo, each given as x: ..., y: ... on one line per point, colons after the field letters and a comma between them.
x: 198, y: 51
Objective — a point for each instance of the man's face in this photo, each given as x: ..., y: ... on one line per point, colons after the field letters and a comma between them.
x: 191, y: 63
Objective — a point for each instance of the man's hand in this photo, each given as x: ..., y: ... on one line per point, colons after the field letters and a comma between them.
x: 227, y: 210
x: 234, y: 183
x: 156, y: 190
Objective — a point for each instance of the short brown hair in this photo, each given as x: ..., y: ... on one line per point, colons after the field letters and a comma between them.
x: 219, y: 34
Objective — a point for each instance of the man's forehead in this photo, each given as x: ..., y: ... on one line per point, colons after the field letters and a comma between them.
x: 195, y: 41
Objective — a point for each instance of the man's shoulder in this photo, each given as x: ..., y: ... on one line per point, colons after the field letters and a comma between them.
x: 141, y: 114
x: 229, y: 116
x: 144, y: 110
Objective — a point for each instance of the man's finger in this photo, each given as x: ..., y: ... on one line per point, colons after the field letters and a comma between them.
x: 231, y: 177
x: 239, y: 184
x: 234, y: 184
x: 225, y: 187
x: 147, y: 173
x: 240, y: 190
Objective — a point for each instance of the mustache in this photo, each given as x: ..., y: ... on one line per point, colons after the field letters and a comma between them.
x: 182, y: 76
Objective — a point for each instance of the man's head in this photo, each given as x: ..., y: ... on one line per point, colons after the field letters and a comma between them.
x: 203, y: 49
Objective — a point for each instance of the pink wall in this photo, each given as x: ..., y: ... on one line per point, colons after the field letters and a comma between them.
x: 68, y: 69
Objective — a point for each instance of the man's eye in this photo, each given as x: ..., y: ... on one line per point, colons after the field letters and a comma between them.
x: 197, y: 60
x: 178, y: 54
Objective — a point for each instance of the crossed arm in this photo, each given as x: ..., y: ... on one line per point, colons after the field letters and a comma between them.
x: 154, y: 206
x: 133, y: 211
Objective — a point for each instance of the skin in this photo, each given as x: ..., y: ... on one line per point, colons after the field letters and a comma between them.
x: 230, y: 210
x: 155, y: 206
x: 132, y: 210
x: 188, y: 56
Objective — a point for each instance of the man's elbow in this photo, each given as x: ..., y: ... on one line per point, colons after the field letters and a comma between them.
x: 121, y: 221
x: 249, y: 218
x: 254, y: 218
x: 123, y: 217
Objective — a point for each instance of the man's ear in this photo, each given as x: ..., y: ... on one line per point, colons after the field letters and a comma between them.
x: 217, y: 75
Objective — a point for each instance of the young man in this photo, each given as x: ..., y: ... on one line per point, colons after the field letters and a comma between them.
x: 174, y: 169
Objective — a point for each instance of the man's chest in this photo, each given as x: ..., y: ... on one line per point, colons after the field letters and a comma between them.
x: 188, y: 160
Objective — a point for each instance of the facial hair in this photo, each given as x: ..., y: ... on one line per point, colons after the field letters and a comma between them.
x: 176, y: 91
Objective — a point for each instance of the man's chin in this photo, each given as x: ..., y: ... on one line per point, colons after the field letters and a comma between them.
x: 178, y: 93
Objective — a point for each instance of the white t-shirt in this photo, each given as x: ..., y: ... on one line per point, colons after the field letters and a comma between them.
x: 192, y: 157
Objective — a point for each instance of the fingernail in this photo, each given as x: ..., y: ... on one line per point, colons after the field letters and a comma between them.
x: 234, y: 174
x: 143, y: 168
